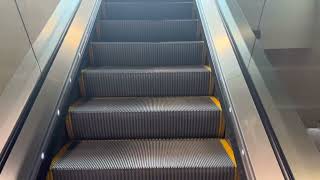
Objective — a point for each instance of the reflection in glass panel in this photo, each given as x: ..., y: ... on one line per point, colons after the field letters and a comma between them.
x: 46, y: 22
x: 284, y: 72
x: 246, y: 15
x: 19, y: 70
x: 252, y: 10
x: 290, y: 40
x: 35, y: 14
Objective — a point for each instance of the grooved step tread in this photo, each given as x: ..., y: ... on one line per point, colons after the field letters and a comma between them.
x: 147, y: 10
x: 147, y: 53
x: 145, y: 117
x: 187, y: 159
x: 146, y: 81
x: 147, y: 30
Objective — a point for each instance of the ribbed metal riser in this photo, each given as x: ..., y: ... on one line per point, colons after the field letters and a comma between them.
x: 146, y: 82
x: 132, y: 118
x: 155, y: 31
x: 146, y: 160
x: 147, y: 54
x: 148, y: 174
x: 145, y: 125
x: 147, y: 10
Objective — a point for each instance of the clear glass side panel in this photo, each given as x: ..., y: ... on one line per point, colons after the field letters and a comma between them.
x: 19, y: 70
x: 248, y: 24
x: 287, y: 59
x: 284, y: 66
x: 45, y: 22
x: 292, y: 47
x: 252, y: 10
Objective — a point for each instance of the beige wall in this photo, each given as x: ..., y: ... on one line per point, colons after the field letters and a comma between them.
x: 35, y: 14
x: 14, y: 42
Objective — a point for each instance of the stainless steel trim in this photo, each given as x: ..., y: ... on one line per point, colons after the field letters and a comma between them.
x: 19, y: 89
x: 15, y: 95
x: 300, y: 151
x: 25, y: 158
x: 250, y: 134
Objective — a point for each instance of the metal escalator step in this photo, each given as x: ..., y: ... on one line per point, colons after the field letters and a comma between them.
x: 147, y: 10
x: 145, y: 117
x: 146, y: 81
x: 147, y: 53
x: 146, y: 30
x: 189, y: 159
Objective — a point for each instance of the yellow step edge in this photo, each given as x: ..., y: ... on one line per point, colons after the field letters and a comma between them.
x: 225, y: 144
x: 210, y: 79
x: 229, y: 151
x: 55, y: 159
x: 222, y: 123
x: 216, y: 102
x: 207, y: 67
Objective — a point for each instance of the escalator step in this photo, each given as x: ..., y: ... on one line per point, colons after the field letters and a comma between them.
x: 189, y: 159
x: 146, y: 81
x: 147, y: 10
x: 146, y: 30
x: 147, y: 53
x: 145, y: 117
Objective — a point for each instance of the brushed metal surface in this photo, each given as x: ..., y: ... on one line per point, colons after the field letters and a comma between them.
x: 25, y: 158
x: 299, y: 149
x: 251, y: 136
x: 15, y: 95
x: 19, y: 70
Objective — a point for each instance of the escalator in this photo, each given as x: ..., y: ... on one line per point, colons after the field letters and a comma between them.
x: 146, y: 108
